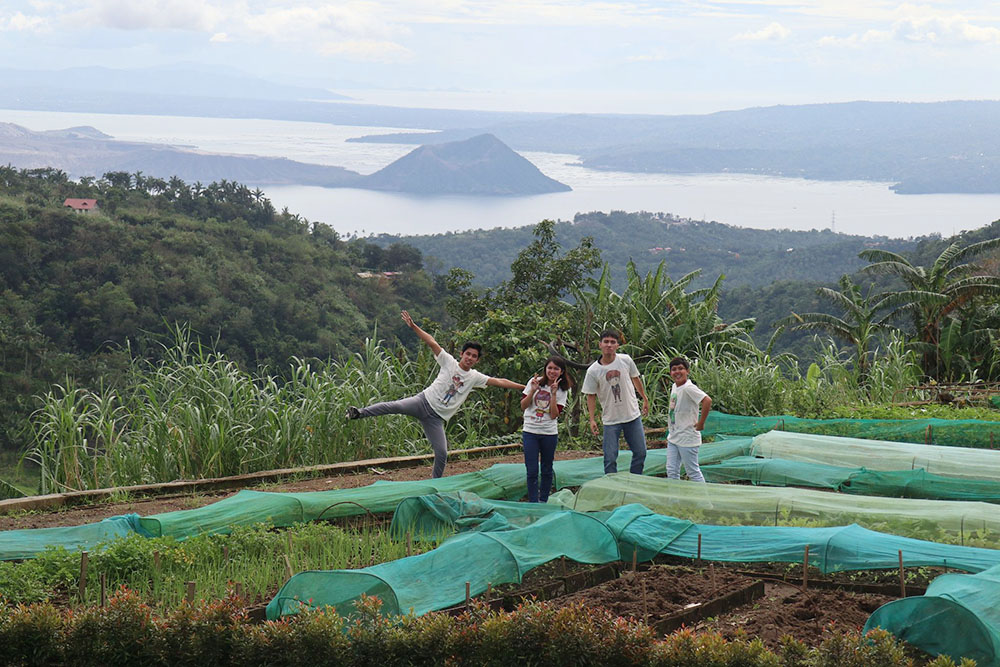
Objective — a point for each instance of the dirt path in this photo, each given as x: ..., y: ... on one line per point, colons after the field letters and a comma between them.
x: 81, y: 514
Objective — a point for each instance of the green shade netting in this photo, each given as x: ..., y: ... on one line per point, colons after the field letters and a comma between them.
x: 507, y: 539
x: 958, y: 616
x: 877, y: 455
x: 502, y: 481
x: 777, y: 472
x: 284, y: 509
x: 27, y: 543
x: 723, y: 504
x: 952, y: 432
x: 437, y: 579
x: 858, y: 481
x: 831, y: 549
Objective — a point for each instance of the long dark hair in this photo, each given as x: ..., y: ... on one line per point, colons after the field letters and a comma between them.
x: 565, y: 380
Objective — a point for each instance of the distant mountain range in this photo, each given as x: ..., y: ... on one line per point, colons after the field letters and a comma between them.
x: 481, y: 165
x: 85, y: 151
x: 921, y: 148
x: 917, y: 147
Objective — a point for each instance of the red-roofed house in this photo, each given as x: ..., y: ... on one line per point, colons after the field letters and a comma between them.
x: 81, y: 205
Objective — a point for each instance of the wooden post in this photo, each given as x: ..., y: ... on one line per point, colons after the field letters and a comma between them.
x: 104, y: 589
x: 928, y: 435
x: 635, y: 559
x: 191, y: 588
x: 84, y: 559
x: 238, y: 590
x: 156, y: 562
x: 288, y: 567
x: 902, y: 576
x: 805, y: 569
x: 699, y: 550
x: 409, y: 543
x: 489, y: 591
x: 468, y: 594
x: 225, y: 554
x: 645, y: 604
x: 562, y: 563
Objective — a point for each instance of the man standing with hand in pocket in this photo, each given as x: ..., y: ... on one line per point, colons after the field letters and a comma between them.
x: 614, y: 380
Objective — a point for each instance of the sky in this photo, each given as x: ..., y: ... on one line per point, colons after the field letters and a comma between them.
x: 539, y: 55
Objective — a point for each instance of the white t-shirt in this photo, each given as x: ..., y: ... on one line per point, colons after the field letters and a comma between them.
x: 614, y: 389
x: 685, y: 408
x: 538, y: 415
x: 451, y: 386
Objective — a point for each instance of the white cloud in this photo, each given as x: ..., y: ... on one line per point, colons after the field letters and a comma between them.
x: 773, y: 32
x: 193, y: 15
x: 220, y: 37
x: 367, y: 50
x: 914, y: 28
x: 20, y: 22
x: 358, y: 20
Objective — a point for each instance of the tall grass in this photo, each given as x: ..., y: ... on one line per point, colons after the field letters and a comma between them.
x: 197, y: 414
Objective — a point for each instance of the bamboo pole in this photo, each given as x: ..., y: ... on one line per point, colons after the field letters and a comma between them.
x: 84, y: 561
x: 805, y: 569
x: 902, y: 576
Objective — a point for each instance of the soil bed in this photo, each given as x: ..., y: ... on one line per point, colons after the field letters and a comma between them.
x: 788, y: 610
x: 785, y: 608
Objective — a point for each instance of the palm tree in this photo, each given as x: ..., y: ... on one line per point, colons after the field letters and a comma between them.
x: 865, y: 317
x: 942, y: 291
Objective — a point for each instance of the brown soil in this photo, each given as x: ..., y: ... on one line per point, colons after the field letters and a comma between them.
x: 668, y: 590
x: 785, y: 609
x: 805, y: 615
x: 81, y: 514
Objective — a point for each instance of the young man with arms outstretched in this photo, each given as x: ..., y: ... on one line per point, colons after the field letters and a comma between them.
x: 689, y: 407
x: 614, y: 380
x: 436, y: 404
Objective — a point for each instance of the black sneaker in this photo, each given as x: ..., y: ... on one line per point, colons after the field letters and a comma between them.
x: 353, y: 413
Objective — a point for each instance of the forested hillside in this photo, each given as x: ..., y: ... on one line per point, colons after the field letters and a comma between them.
x: 77, y: 288
x: 753, y: 257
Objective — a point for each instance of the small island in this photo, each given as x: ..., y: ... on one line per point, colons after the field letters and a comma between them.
x: 480, y: 165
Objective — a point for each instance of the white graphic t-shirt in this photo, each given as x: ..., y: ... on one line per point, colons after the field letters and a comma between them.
x: 538, y: 415
x: 451, y: 386
x: 685, y: 408
x: 614, y: 389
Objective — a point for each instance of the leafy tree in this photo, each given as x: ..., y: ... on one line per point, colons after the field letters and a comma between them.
x: 865, y: 317
x: 940, y: 292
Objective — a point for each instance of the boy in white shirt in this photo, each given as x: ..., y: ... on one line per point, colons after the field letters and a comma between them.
x: 614, y: 379
x: 436, y: 404
x: 689, y: 407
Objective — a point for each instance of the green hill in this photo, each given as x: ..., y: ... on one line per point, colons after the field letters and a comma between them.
x: 76, y: 289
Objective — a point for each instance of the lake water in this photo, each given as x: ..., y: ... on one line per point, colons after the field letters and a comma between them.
x: 854, y: 207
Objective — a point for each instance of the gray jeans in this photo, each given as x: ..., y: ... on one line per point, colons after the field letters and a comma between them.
x: 417, y: 406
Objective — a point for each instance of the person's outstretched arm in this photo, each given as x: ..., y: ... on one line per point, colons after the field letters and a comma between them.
x: 504, y: 382
x: 423, y: 335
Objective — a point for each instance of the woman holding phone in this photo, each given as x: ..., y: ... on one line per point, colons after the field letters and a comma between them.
x: 543, y: 401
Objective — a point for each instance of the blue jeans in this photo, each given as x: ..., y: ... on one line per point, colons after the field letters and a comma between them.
x: 636, y: 439
x: 535, y: 446
x: 683, y: 455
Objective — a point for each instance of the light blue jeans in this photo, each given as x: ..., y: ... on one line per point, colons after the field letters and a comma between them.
x: 636, y: 439
x: 686, y: 455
